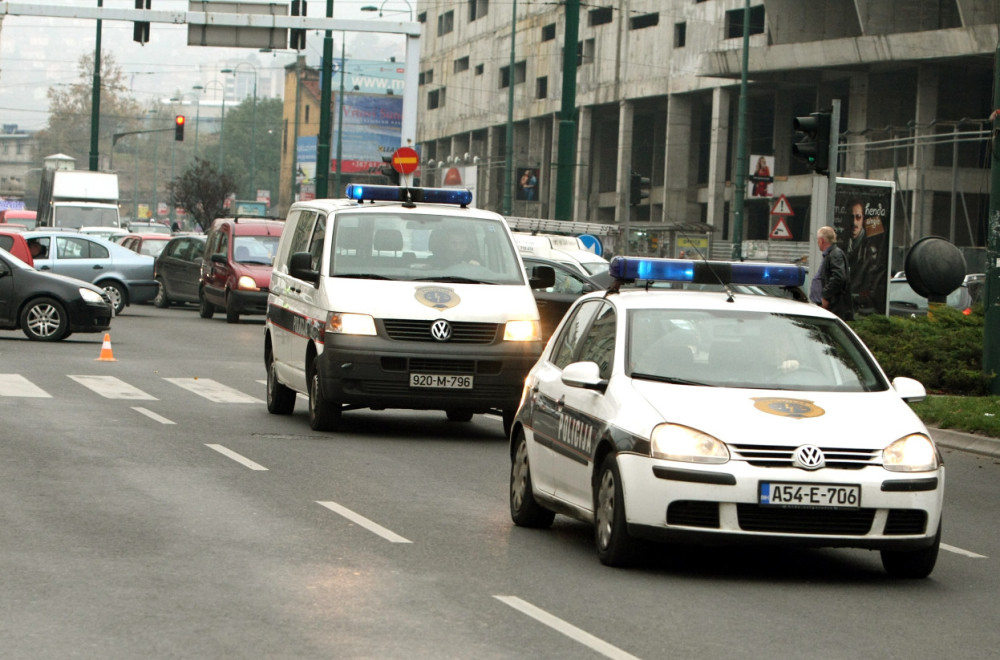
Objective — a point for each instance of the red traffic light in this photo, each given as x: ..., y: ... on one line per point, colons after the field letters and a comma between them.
x: 179, y: 127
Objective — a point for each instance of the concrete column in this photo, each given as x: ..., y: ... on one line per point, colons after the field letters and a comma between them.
x: 626, y: 112
x: 721, y: 99
x: 857, y: 122
x: 784, y: 135
x: 923, y: 157
x: 581, y: 179
x: 677, y: 161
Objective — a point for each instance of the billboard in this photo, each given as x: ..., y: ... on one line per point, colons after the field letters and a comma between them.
x: 372, y: 114
x: 863, y: 217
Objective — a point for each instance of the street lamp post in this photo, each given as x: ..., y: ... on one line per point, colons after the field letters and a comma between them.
x: 379, y: 8
x: 197, y: 117
x: 253, y: 127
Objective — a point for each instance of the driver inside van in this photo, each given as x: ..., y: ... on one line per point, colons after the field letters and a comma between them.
x: 451, y: 247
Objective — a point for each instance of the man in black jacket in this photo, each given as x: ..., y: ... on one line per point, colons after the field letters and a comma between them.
x: 831, y: 285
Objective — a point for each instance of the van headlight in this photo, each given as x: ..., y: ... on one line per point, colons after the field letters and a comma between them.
x: 683, y: 443
x: 91, y: 297
x: 247, y: 283
x: 522, y: 331
x: 350, y: 324
x: 912, y: 453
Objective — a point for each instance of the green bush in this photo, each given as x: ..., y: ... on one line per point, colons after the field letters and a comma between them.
x: 943, y: 350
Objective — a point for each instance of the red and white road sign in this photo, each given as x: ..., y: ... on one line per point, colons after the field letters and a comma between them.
x: 782, y: 207
x: 405, y: 160
x: 780, y: 229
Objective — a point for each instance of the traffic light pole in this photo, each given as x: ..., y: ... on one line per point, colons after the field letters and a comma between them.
x: 739, y: 193
x: 991, y: 308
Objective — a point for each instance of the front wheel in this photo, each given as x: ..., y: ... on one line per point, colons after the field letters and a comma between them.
x: 117, y: 294
x: 161, y: 300
x: 508, y: 421
x: 205, y: 309
x: 280, y: 399
x: 525, y: 510
x: 324, y: 415
x: 232, y: 313
x: 615, y: 547
x: 913, y: 564
x: 44, y: 319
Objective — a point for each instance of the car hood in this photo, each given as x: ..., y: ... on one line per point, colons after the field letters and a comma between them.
x: 64, y: 280
x: 260, y: 273
x: 868, y: 420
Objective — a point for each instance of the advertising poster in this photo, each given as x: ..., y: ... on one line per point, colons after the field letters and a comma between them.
x: 372, y: 114
x: 863, y: 213
x: 527, y: 184
x: 761, y: 180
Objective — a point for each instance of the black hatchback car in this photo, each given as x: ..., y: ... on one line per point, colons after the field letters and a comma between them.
x: 178, y: 270
x: 49, y: 307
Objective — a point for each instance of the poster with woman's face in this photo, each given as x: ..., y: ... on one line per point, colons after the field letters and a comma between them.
x: 527, y: 184
x: 761, y: 178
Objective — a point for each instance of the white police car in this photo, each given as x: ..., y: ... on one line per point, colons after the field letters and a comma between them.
x: 714, y: 416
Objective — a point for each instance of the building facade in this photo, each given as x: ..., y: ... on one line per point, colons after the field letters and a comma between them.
x: 658, y: 93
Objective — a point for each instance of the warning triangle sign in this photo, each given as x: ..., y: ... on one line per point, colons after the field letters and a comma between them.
x: 782, y: 207
x: 780, y: 229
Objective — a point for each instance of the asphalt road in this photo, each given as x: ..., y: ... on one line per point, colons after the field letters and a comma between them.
x: 151, y: 507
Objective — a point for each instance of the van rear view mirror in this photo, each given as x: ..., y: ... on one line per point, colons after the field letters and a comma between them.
x: 300, y: 267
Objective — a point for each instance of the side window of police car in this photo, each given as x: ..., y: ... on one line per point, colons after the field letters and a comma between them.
x: 599, y: 343
x: 573, y: 333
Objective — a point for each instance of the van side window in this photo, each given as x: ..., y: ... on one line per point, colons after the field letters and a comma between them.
x: 303, y: 223
x: 316, y: 242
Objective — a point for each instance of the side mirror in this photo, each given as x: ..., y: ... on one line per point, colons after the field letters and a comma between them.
x: 911, y: 391
x: 584, y: 374
x: 542, y: 277
x: 300, y: 267
x: 219, y: 258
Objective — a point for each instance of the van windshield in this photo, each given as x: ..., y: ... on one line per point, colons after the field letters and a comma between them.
x: 84, y: 216
x: 423, y: 247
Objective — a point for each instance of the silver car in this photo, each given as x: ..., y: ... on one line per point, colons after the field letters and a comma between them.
x: 127, y: 277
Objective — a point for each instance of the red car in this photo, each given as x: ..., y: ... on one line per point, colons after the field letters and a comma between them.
x: 236, y: 270
x: 14, y: 242
x: 151, y: 244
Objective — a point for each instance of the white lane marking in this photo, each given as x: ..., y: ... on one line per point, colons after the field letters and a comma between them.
x: 565, y: 628
x: 18, y: 385
x: 242, y: 460
x: 152, y: 415
x: 213, y: 390
x: 113, y: 388
x: 960, y: 551
x: 373, y: 527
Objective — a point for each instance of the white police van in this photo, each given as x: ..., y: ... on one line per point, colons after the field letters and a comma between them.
x: 411, y: 301
x: 718, y: 416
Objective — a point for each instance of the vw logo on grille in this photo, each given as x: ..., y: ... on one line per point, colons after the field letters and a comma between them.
x: 809, y: 457
x: 441, y: 330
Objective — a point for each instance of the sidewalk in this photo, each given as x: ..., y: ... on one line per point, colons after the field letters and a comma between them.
x: 974, y: 444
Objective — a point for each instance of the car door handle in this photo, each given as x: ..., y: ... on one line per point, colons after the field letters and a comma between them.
x: 560, y: 403
x: 97, y: 267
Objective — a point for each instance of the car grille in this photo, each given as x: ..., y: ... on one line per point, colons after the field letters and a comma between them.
x: 442, y: 366
x: 770, y: 456
x: 690, y: 513
x: 498, y: 392
x: 461, y: 332
x: 906, y: 521
x: 848, y: 522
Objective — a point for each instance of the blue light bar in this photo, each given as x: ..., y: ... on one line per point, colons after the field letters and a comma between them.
x: 707, y: 272
x: 374, y: 193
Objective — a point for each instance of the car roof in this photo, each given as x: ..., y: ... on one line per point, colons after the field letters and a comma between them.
x: 149, y: 237
x: 342, y: 204
x: 709, y: 300
x: 251, y: 226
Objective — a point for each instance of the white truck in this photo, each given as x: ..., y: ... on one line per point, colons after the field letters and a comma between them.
x: 77, y: 198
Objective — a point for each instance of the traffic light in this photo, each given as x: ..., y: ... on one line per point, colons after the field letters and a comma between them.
x: 140, y: 29
x: 813, y: 146
x: 638, y: 188
x: 179, y: 128
x: 389, y: 171
x: 297, y: 38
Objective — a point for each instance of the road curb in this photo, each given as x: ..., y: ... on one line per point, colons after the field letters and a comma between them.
x: 969, y: 442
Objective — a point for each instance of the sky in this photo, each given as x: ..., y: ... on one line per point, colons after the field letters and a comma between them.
x: 37, y: 53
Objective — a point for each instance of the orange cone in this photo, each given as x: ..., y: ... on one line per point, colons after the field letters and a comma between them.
x: 106, y: 354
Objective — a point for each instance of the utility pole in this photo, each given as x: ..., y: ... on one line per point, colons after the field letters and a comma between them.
x: 566, y: 167
x: 739, y: 193
x: 323, y: 139
x: 508, y: 168
x: 991, y: 304
x: 95, y: 98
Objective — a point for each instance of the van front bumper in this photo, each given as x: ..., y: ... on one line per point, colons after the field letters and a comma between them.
x: 375, y: 372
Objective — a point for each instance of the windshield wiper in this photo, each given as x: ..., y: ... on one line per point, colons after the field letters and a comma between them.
x: 363, y: 276
x: 452, y: 278
x: 668, y: 379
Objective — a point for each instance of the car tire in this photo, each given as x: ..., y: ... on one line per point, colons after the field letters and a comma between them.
x: 232, y: 314
x: 324, y: 415
x: 508, y: 421
x: 912, y: 564
x: 206, y: 310
x: 615, y: 547
x: 459, y: 415
x: 44, y: 319
x: 117, y: 294
x: 280, y: 399
x: 161, y: 300
x: 525, y: 510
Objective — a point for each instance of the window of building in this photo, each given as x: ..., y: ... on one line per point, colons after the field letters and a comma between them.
x: 542, y: 87
x: 446, y: 23
x: 680, y: 35
x: 644, y: 21
x: 428, y: 77
x: 435, y: 99
x: 478, y: 9
x: 307, y: 114
x: 600, y: 16
x: 734, y: 22
x: 584, y: 52
x: 479, y: 69
x: 422, y: 17
x: 549, y: 32
x: 520, y: 73
x: 461, y: 64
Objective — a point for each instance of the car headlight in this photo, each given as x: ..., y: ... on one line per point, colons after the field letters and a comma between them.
x: 350, y: 324
x: 682, y: 443
x: 247, y: 283
x: 912, y: 453
x: 521, y: 331
x: 91, y: 296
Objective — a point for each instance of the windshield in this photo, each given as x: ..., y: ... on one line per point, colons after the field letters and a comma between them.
x: 423, y: 247
x: 255, y: 249
x: 84, y: 216
x: 748, y: 350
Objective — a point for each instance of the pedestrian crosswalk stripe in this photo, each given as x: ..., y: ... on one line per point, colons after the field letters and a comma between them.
x: 113, y: 388
x: 213, y: 390
x: 18, y: 385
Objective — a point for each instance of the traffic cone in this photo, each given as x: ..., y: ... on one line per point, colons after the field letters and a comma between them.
x: 106, y: 354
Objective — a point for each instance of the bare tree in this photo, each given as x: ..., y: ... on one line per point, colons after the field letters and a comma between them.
x: 202, y: 192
